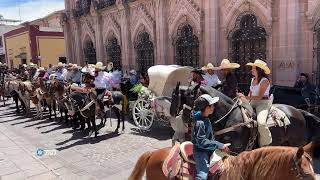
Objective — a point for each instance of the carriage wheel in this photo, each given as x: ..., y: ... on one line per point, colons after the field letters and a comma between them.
x: 142, y: 114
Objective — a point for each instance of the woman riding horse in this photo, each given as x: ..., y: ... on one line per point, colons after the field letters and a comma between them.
x: 259, y: 98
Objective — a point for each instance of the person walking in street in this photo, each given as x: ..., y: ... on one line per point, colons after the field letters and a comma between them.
x: 230, y: 82
x: 259, y: 98
x: 203, y: 140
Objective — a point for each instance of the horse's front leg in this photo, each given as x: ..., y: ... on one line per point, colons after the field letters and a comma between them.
x: 16, y: 100
x: 116, y: 110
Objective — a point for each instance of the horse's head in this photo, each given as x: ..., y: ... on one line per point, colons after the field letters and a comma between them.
x: 302, y: 165
x: 71, y: 105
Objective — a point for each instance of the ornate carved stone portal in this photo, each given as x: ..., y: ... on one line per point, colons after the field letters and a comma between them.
x: 114, y: 52
x: 247, y: 43
x: 187, y: 47
x: 145, y: 52
x: 90, y: 53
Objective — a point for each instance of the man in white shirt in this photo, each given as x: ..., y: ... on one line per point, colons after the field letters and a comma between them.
x: 61, y: 72
x: 211, y: 78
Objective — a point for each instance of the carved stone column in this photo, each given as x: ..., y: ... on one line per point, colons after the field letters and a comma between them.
x: 211, y: 32
x: 79, y: 46
x: 126, y: 44
x: 99, y: 39
x: 67, y: 36
x: 161, y: 32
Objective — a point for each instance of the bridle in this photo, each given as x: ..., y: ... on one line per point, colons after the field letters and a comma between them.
x: 296, y: 166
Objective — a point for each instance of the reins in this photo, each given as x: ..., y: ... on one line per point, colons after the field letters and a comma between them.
x: 228, y: 113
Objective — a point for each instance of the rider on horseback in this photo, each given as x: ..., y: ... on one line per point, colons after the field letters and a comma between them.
x: 197, y: 77
x: 203, y: 140
x: 259, y: 98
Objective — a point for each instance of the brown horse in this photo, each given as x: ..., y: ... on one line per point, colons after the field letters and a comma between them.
x: 263, y: 164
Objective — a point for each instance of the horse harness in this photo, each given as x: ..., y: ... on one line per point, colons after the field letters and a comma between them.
x: 296, y: 166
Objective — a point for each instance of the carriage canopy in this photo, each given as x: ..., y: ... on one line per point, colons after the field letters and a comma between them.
x: 164, y: 78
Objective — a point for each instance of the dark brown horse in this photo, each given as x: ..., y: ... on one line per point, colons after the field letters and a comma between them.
x: 302, y: 129
x: 285, y: 163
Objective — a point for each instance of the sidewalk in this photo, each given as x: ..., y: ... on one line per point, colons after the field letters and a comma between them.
x: 21, y: 162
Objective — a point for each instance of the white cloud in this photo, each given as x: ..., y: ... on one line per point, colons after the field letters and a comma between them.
x: 32, y: 10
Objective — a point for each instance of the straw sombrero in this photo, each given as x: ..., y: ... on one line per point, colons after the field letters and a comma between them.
x: 60, y: 64
x: 226, y: 64
x: 99, y: 65
x: 41, y: 69
x: 32, y: 65
x: 261, y: 64
x: 211, y: 66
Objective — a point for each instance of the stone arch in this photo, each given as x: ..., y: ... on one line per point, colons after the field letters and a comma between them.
x: 144, y: 49
x: 186, y: 46
x: 89, y: 50
x: 87, y: 33
x: 111, y: 29
x: 247, y: 42
x: 181, y: 20
x: 141, y: 27
x: 263, y: 18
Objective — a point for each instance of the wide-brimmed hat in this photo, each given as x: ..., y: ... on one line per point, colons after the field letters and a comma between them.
x: 32, y: 65
x: 41, y: 69
x: 99, y: 65
x: 75, y: 66
x: 198, y: 71
x: 226, y: 64
x: 261, y: 64
x: 211, y: 67
x: 88, y: 70
x: 60, y: 64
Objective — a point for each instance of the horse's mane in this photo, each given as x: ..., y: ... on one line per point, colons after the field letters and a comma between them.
x: 261, y: 163
x: 214, y: 92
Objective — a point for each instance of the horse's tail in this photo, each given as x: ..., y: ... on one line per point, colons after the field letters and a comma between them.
x: 313, y: 123
x: 140, y: 167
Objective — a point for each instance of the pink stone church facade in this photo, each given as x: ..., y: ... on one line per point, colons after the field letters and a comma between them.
x: 141, y: 33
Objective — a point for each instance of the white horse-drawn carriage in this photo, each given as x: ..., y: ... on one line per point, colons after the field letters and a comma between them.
x: 154, y: 102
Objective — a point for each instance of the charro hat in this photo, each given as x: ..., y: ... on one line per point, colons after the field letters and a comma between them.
x: 198, y: 71
x: 41, y: 69
x: 203, y: 101
x: 261, y: 64
x: 100, y: 65
x: 226, y: 64
x: 211, y: 66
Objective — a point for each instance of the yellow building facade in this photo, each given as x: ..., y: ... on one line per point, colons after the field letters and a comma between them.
x: 32, y: 44
x: 50, y: 49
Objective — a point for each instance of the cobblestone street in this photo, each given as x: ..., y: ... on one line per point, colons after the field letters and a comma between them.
x: 110, y: 156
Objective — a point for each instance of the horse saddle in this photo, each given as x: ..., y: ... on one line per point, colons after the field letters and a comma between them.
x: 276, y: 117
x: 180, y: 162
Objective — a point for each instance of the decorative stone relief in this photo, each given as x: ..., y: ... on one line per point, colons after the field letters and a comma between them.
x: 189, y: 6
x: 142, y: 12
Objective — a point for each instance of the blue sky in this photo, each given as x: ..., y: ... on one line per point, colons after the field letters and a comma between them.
x: 29, y: 9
